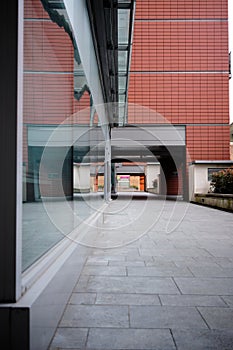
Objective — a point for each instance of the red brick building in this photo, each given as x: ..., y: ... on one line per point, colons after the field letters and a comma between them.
x: 180, y: 69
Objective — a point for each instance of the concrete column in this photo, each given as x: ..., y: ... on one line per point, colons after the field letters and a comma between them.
x: 11, y: 65
x: 113, y: 178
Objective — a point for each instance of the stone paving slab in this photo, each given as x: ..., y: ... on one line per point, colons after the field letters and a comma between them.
x: 160, y: 263
x: 222, y: 262
x: 225, y: 262
x: 205, y: 286
x: 82, y: 298
x: 127, y: 263
x: 128, y: 299
x: 209, y: 271
x: 226, y: 252
x: 165, y: 317
x: 192, y: 300
x: 192, y: 263
x: 228, y: 300
x: 119, y: 251
x: 107, y: 257
x: 203, y: 339
x: 82, y: 283
x: 204, y: 262
x: 140, y: 258
x: 159, y: 271
x: 104, y: 270
x: 175, y: 252
x: 130, y: 339
x: 69, y: 338
x: 147, y: 285
x: 218, y: 317
x: 95, y: 316
x: 97, y: 261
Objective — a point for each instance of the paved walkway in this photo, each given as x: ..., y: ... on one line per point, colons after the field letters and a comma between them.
x: 167, y: 284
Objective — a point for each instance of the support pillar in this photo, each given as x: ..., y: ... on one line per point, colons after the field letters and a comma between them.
x: 107, y: 164
x: 11, y: 65
x: 107, y: 171
x: 113, y: 178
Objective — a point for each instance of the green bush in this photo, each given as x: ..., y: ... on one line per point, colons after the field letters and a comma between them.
x: 222, y: 181
x: 135, y: 187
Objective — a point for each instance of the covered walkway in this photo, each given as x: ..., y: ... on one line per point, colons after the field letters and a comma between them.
x: 158, y: 275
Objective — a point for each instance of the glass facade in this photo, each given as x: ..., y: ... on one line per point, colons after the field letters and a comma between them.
x: 61, y: 151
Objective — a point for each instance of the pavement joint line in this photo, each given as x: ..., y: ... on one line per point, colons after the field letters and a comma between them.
x: 197, y: 308
x: 158, y: 295
x: 222, y: 298
x: 177, y: 285
x: 188, y: 268
x: 129, y: 316
x: 88, y: 332
x: 173, y: 338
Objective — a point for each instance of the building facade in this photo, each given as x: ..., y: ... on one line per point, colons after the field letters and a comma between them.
x: 180, y: 70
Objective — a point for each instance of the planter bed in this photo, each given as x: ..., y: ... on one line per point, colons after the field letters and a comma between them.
x: 216, y: 200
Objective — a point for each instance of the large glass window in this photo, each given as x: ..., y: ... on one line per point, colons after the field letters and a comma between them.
x: 61, y: 156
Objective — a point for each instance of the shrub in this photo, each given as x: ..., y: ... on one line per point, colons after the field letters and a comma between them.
x: 222, y: 181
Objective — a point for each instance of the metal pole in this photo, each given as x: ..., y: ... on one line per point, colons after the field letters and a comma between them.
x: 107, y: 166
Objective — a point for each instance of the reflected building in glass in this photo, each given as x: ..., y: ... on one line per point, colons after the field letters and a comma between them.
x: 57, y: 99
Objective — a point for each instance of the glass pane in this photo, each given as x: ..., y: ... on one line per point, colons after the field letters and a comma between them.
x: 122, y: 60
x: 123, y: 26
x: 122, y: 83
x: 60, y: 165
x: 121, y: 98
x: 121, y: 113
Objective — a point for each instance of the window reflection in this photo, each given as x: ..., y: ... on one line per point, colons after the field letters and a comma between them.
x: 57, y: 101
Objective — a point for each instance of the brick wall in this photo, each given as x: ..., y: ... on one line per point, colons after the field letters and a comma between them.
x: 48, y: 81
x: 179, y: 69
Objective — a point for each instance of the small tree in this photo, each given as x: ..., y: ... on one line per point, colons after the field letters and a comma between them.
x: 222, y: 181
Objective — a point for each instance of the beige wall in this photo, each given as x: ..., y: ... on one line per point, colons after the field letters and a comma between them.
x: 231, y: 150
x: 198, y: 177
x: 152, y: 172
x: 81, y: 177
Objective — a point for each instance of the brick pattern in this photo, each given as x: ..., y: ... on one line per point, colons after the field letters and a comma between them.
x: 49, y: 66
x: 208, y: 142
x: 49, y: 83
x: 81, y: 109
x: 34, y: 9
x: 179, y: 74
x: 181, y: 98
x: 48, y: 98
x: 180, y: 46
x: 179, y: 71
x: 181, y: 9
x: 47, y: 47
